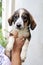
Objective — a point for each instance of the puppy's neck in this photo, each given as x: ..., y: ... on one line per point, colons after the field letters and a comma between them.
x: 23, y: 32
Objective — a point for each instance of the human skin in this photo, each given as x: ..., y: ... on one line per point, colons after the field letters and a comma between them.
x: 19, y: 42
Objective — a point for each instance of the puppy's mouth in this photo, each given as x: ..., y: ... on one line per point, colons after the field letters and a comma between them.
x: 22, y: 28
x: 19, y: 28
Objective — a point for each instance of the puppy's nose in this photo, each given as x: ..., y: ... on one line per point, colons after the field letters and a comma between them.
x: 18, y: 25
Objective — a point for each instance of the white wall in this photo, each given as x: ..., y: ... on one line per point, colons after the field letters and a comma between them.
x: 8, y: 7
x: 35, y: 50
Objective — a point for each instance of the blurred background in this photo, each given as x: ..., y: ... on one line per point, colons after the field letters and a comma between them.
x: 35, y: 7
x: 0, y: 12
x: 2, y: 40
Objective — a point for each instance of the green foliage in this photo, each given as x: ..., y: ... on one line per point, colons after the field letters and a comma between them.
x: 0, y: 8
x: 2, y: 39
x: 0, y: 22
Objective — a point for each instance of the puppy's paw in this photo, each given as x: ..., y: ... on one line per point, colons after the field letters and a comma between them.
x: 23, y: 57
x: 7, y: 53
x: 10, y: 43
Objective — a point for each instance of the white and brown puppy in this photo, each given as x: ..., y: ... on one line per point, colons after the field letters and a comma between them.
x: 22, y: 21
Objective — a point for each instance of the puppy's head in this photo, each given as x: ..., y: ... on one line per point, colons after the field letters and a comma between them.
x: 21, y: 19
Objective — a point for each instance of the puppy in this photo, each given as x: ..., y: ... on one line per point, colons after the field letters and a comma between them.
x: 21, y: 21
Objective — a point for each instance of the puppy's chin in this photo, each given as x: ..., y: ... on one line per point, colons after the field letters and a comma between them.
x: 18, y: 28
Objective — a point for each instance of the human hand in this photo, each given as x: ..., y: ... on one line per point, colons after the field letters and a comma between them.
x: 17, y: 47
x: 14, y: 34
x: 19, y: 42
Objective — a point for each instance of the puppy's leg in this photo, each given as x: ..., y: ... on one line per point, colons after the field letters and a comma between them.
x: 24, y: 50
x: 9, y: 46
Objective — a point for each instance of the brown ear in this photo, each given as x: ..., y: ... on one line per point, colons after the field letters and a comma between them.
x: 10, y: 20
x: 32, y: 23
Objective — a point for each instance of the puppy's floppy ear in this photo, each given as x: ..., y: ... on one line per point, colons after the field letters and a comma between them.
x: 10, y: 20
x: 32, y: 23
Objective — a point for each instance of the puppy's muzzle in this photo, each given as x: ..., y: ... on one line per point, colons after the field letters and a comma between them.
x: 18, y: 26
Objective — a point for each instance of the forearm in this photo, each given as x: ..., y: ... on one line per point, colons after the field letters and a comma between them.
x: 16, y: 60
x: 16, y: 51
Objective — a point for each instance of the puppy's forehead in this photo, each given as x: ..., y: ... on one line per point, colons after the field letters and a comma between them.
x: 21, y: 11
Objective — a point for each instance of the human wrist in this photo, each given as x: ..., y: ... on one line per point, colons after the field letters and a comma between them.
x: 15, y: 54
x: 16, y: 59
x: 16, y: 50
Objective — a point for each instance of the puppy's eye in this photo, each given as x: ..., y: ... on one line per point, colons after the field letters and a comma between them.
x: 24, y: 18
x: 15, y: 17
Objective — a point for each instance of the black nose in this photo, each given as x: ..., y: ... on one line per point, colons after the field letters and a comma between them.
x: 18, y: 25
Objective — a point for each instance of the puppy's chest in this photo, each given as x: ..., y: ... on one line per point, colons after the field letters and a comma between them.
x: 23, y: 32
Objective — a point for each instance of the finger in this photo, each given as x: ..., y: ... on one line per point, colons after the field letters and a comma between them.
x: 22, y: 37
x: 15, y: 34
x: 22, y: 40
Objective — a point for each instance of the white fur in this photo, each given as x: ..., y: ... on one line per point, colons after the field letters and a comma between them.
x: 24, y: 50
x: 21, y: 12
x: 23, y: 32
x: 19, y: 21
x: 25, y: 46
x: 10, y: 43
